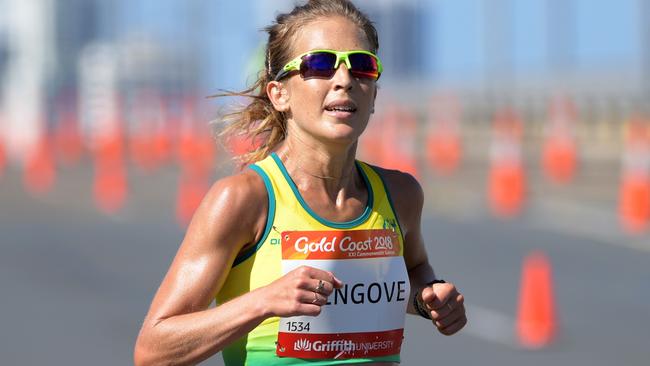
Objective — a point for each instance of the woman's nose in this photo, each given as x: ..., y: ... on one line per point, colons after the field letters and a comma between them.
x: 342, y: 77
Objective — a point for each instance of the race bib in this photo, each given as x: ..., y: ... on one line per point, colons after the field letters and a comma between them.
x: 364, y: 318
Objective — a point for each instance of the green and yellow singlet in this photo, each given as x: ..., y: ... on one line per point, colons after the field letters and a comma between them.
x: 363, y: 321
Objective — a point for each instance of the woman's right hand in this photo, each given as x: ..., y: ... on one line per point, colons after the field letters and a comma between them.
x: 298, y: 292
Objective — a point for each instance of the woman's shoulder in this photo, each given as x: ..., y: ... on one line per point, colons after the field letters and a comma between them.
x: 239, y: 191
x: 405, y: 192
x: 245, y: 186
x: 399, y: 183
x: 235, y: 203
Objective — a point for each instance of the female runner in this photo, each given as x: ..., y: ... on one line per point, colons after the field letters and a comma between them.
x: 312, y: 256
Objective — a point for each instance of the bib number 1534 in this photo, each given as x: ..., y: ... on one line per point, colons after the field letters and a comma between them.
x: 296, y: 326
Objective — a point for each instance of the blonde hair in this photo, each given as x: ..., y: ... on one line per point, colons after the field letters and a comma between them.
x: 259, y: 121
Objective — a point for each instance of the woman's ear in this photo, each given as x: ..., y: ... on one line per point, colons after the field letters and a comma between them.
x: 278, y: 95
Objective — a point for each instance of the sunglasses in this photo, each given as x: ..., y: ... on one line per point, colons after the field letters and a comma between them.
x: 324, y: 63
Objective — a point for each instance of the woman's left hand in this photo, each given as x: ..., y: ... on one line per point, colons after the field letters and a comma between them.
x: 446, y: 307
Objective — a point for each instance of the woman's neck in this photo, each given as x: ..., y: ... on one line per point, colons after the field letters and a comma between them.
x: 313, y: 165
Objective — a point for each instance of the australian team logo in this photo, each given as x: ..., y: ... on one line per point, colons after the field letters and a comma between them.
x: 390, y: 224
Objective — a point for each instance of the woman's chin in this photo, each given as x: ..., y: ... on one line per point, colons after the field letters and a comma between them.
x: 348, y: 131
x: 342, y: 135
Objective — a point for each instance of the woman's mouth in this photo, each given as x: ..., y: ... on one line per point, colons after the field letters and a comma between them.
x: 341, y: 109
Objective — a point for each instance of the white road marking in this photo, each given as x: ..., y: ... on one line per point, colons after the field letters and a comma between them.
x: 571, y: 218
x: 584, y: 222
x: 490, y: 325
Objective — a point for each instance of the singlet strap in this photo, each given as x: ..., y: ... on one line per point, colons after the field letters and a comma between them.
x: 377, y: 179
x: 270, y: 216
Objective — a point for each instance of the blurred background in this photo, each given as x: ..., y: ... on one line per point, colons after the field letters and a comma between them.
x: 526, y: 122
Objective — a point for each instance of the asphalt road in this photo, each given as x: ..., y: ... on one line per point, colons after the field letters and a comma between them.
x: 76, y: 283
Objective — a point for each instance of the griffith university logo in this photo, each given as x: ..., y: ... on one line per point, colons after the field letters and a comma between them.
x: 302, y: 345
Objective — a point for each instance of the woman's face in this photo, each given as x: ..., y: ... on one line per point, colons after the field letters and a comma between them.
x: 311, y: 101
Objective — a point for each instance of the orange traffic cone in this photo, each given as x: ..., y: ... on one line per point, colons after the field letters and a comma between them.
x: 110, y: 184
x: 559, y: 151
x: 398, y: 141
x: 634, y: 196
x: 110, y: 188
x: 443, y: 144
x: 150, y: 145
x: 370, y: 147
x: 3, y: 157
x: 110, y: 147
x: 191, y: 190
x: 635, y: 204
x: 239, y: 145
x: 506, y: 181
x: 196, y: 147
x: 536, y: 322
x: 67, y: 139
x: 140, y: 149
x: 559, y: 159
x: 196, y: 154
x: 444, y: 152
x: 161, y: 143
x: 40, y: 172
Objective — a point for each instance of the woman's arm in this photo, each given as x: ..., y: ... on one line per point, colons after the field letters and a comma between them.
x: 442, y: 301
x: 408, y: 200
x: 179, y: 328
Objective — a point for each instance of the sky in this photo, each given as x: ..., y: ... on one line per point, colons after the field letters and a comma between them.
x: 463, y: 40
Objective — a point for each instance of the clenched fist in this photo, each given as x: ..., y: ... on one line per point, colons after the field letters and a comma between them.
x: 445, y: 306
